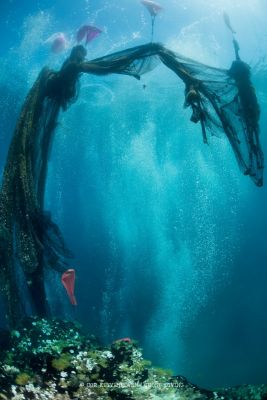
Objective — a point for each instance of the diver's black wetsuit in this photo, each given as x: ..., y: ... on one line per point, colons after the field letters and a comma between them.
x: 250, y: 113
x: 240, y: 72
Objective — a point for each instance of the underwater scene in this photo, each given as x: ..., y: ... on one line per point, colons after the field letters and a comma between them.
x: 133, y: 223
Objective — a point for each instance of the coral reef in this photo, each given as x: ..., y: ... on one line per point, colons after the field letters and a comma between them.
x: 51, y: 359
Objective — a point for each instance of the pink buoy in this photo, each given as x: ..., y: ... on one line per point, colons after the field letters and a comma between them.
x: 88, y: 33
x: 68, y: 281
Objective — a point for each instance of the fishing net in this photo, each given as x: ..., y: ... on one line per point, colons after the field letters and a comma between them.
x: 221, y: 100
x: 28, y: 236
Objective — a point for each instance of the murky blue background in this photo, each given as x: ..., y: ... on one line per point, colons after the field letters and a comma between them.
x: 170, y: 239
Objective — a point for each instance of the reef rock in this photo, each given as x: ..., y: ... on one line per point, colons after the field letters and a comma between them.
x: 51, y: 359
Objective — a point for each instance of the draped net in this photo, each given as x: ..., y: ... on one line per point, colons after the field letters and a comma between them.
x: 28, y: 236
x: 220, y: 100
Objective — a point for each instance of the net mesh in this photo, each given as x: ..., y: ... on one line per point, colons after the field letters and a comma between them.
x: 224, y: 101
x: 221, y: 101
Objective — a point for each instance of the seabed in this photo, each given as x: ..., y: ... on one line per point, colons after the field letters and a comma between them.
x: 52, y: 359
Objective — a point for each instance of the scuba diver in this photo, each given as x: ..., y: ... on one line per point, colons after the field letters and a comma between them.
x: 193, y: 100
x: 62, y: 85
x: 249, y: 111
x: 240, y: 72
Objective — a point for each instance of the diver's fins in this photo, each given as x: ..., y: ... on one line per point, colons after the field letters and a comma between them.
x: 228, y: 23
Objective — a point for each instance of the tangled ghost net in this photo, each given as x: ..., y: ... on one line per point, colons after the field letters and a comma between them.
x: 220, y: 100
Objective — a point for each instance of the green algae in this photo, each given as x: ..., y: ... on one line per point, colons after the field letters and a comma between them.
x: 22, y: 379
x: 62, y: 363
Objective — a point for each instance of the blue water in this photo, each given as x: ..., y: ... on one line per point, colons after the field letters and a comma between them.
x: 170, y: 239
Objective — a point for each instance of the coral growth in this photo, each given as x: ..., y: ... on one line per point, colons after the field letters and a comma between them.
x: 52, y: 359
